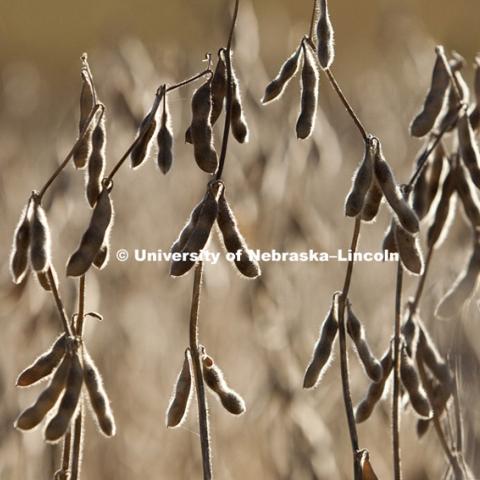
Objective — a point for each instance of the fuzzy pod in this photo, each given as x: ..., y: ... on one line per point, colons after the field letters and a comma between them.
x: 213, y: 376
x: 356, y: 330
x: 468, y: 196
x: 234, y: 241
x: 420, y: 193
x: 411, y: 382
x: 87, y: 103
x: 21, y: 247
x: 182, y: 394
x: 425, y: 120
x: 165, y: 139
x: 40, y: 243
x: 389, y: 243
x: 219, y: 89
x: 98, y: 396
x: 439, y: 397
x: 308, y: 104
x: 468, y: 148
x: 408, y: 246
x: 33, y: 415
x: 58, y: 425
x: 97, y: 161
x: 201, y: 129
x: 372, y: 202
x: 375, y: 391
x: 411, y: 332
x: 146, y: 132
x: 362, y: 180
x: 449, y: 114
x: 462, y: 289
x: 199, y: 235
x: 325, y: 36
x: 101, y: 259
x: 44, y: 364
x: 322, y: 351
x: 403, y: 212
x: 276, y: 87
x: 238, y: 121
x: 94, y: 238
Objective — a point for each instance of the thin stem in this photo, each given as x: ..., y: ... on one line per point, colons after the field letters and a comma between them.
x: 456, y: 403
x: 232, y: 27
x: 346, y: 104
x: 396, y: 377
x: 81, y: 307
x: 344, y: 356
x: 312, y: 20
x: 421, y: 282
x: 197, y: 370
x: 67, y: 447
x: 207, y: 71
x: 59, y: 303
x: 72, y: 151
x: 77, y: 444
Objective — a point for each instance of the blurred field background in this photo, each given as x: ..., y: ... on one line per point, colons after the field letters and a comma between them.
x: 287, y: 195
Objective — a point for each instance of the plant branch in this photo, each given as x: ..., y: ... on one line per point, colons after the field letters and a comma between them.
x: 198, y: 375
x: 59, y: 303
x: 77, y: 443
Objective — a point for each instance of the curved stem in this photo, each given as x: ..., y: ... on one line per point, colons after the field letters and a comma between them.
x: 198, y: 375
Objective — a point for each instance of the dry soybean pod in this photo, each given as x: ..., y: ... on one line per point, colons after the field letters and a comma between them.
x: 33, y: 415
x: 308, y: 104
x: 475, y: 114
x: 213, y: 376
x: 372, y: 202
x: 276, y: 87
x: 384, y: 175
x: 40, y: 244
x: 325, y: 35
x: 219, y: 88
x: 469, y: 148
x: 425, y: 120
x: 389, y: 243
x: 101, y: 259
x: 322, y: 351
x: 44, y: 364
x: 98, y: 397
x: 93, y: 239
x: 362, y: 181
x: 182, y: 393
x: 234, y: 241
x: 58, y: 425
x: 96, y: 162
x: 463, y: 287
x: 238, y: 121
x: 355, y: 329
x: 21, y: 246
x: 468, y: 196
x: 375, y: 391
x: 409, y: 250
x: 165, y: 138
x: 411, y: 382
x: 44, y: 278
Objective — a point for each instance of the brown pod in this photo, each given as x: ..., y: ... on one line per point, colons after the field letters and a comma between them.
x: 182, y: 393
x: 33, y: 415
x: 94, y: 238
x: 443, y: 214
x: 420, y: 193
x: 21, y: 246
x: 87, y: 103
x: 425, y: 120
x: 362, y: 180
x: 201, y: 129
x: 45, y: 281
x: 219, y: 89
x: 409, y: 250
x: 238, y: 121
x: 101, y: 259
x: 411, y: 332
x: 213, y: 376
x: 44, y: 364
x: 372, y: 202
x: 468, y: 195
x: 462, y: 289
x: 165, y: 140
x: 58, y: 425
x: 469, y: 148
x: 322, y: 351
x: 411, y: 382
x: 389, y: 243
x: 234, y: 241
x: 287, y: 71
x: 96, y: 162
x: 40, y: 245
x: 199, y: 235
x: 98, y: 397
x: 308, y: 105
x: 384, y: 175
x: 375, y: 391
x: 146, y: 131
x: 325, y: 47
x: 355, y: 329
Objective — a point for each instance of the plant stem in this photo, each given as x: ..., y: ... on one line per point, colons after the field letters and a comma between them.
x: 421, y: 282
x: 67, y: 446
x: 396, y: 376
x: 197, y: 370
x: 77, y: 444
x: 347, y: 399
x: 81, y: 307
x: 59, y: 303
